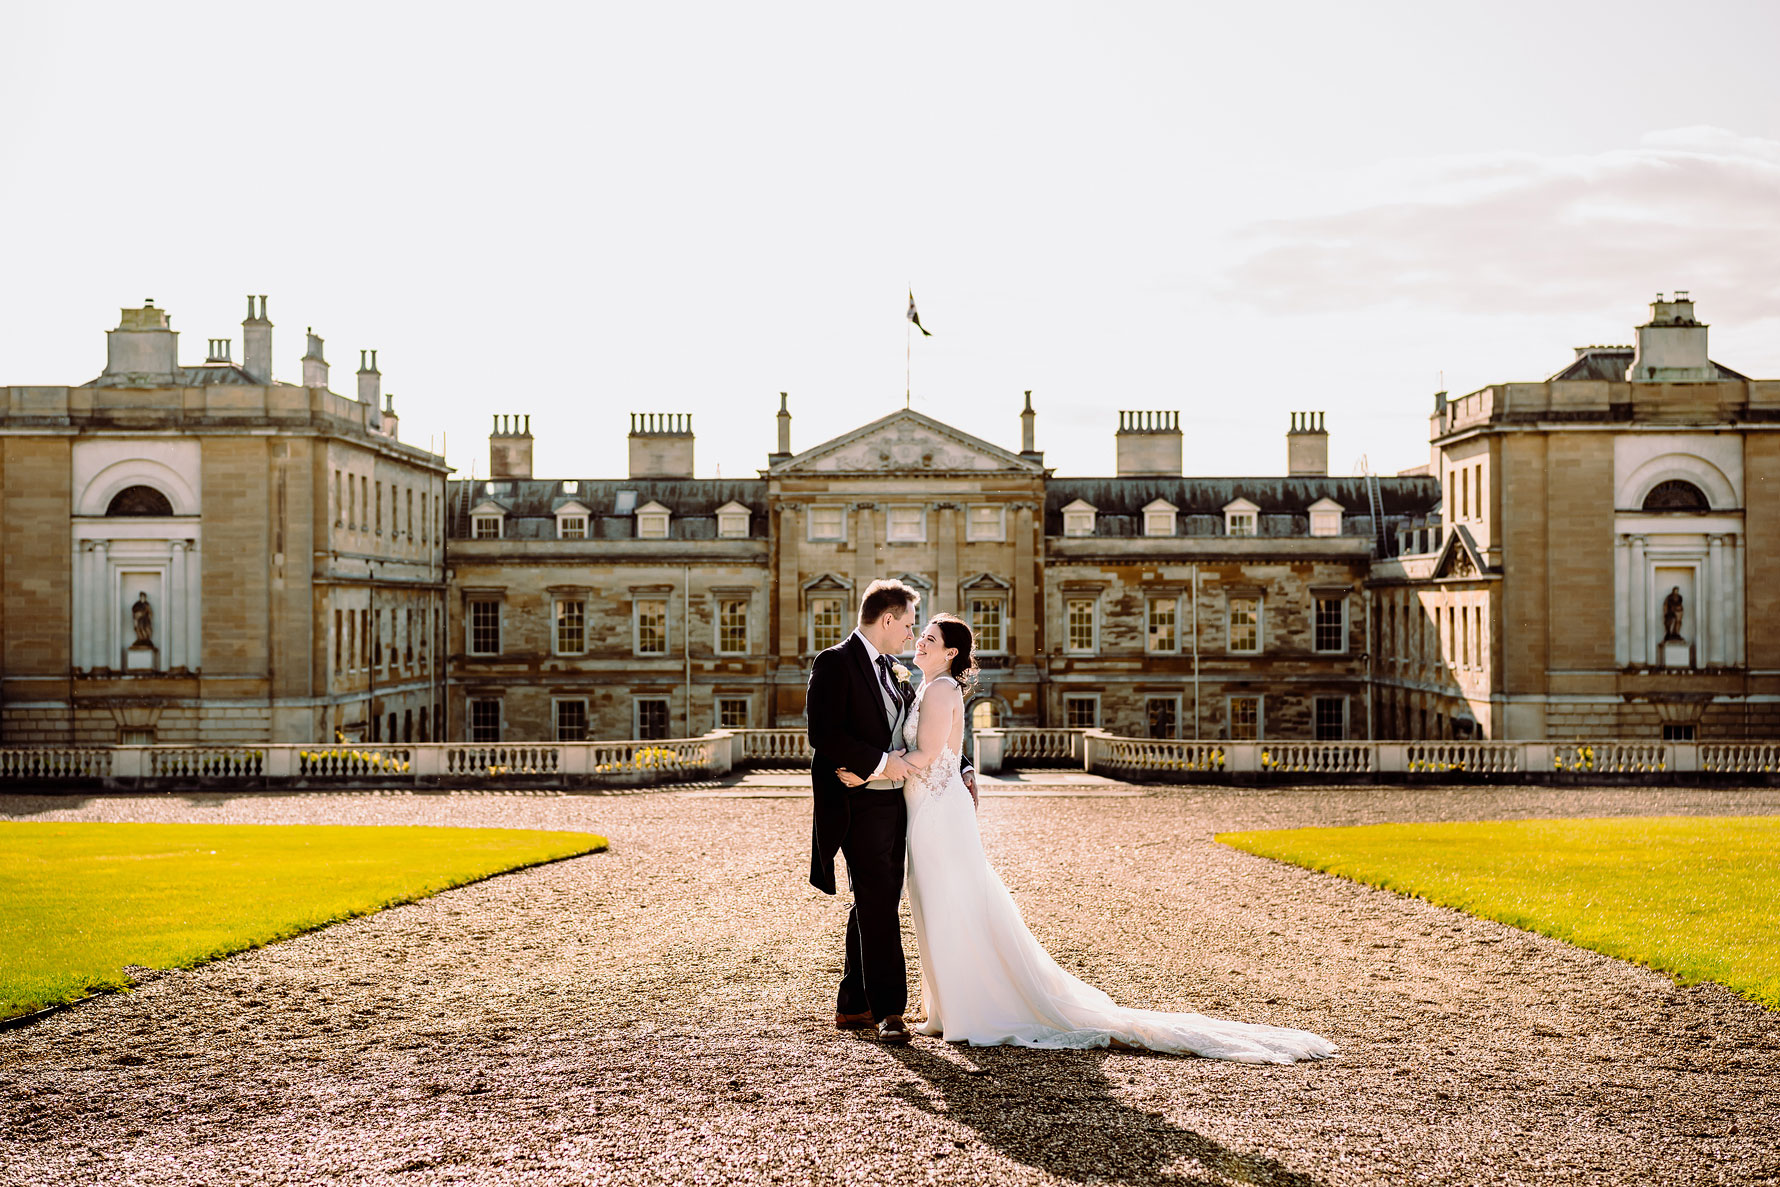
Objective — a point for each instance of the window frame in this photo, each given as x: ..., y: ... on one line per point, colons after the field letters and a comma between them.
x: 1160, y: 519
x: 572, y: 526
x: 812, y: 602
x: 728, y: 516
x: 1092, y: 698
x: 1069, y: 644
x: 998, y: 528
x: 997, y: 598
x: 1316, y: 717
x: 479, y: 522
x: 718, y: 625
x: 473, y: 725
x: 470, y: 607
x: 653, y: 522
x: 1342, y: 627
x: 1260, y: 624
x: 1150, y: 603
x: 1173, y: 699
x: 717, y: 707
x: 636, y: 717
x: 1260, y: 723
x: 557, y: 603
x: 556, y: 707
x: 636, y: 624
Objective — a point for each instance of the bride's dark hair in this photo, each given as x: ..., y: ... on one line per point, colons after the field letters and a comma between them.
x: 955, y: 632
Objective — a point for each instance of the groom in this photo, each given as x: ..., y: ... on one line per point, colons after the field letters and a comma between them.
x: 857, y: 702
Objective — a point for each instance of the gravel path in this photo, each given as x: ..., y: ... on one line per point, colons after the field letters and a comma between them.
x: 659, y: 1013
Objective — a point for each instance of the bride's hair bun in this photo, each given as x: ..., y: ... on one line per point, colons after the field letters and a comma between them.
x: 955, y: 632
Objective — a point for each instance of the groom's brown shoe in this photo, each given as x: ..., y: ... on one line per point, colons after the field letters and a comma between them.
x: 893, y: 1030
x: 852, y: 1021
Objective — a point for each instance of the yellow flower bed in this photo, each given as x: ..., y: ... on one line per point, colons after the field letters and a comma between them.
x: 365, y: 759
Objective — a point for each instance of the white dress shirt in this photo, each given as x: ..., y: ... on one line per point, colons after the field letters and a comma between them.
x: 872, y: 653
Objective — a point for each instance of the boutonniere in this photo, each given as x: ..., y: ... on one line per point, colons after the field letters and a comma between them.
x: 901, y: 673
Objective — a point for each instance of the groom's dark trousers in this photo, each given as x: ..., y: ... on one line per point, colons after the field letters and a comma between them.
x: 850, y: 727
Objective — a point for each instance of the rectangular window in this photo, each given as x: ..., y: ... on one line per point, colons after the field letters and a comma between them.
x: 408, y: 640
x: 986, y: 615
x: 1245, y: 624
x: 364, y: 502
x: 732, y: 626
x: 1163, y: 617
x: 571, y: 626
x: 732, y: 713
x: 985, y: 523
x: 339, y: 634
x: 651, y: 628
x: 485, y: 628
x: 653, y: 526
x: 1331, y: 623
x: 571, y: 720
x: 486, y: 527
x: 339, y: 507
x: 365, y: 653
x: 1158, y: 523
x: 827, y: 523
x: 1245, y: 719
x: 908, y: 525
x: 571, y: 527
x: 1163, y: 716
x: 351, y: 503
x: 425, y: 538
x: 827, y: 623
x: 652, y: 718
x: 1081, y: 713
x: 1078, y: 523
x: 378, y: 521
x: 1678, y: 733
x: 1331, y: 719
x: 485, y: 719
x: 1239, y: 523
x: 1079, y: 617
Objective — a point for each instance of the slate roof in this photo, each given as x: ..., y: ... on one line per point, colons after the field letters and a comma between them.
x: 1613, y: 362
x: 531, y: 505
x: 206, y: 375
x: 1284, y: 502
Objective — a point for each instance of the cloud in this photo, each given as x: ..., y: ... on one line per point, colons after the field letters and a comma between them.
x: 1691, y: 208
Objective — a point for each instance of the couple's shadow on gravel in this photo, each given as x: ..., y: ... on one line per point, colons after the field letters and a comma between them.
x: 1056, y: 1111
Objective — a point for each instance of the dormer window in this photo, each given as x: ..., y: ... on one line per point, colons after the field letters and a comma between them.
x: 1078, y: 518
x: 571, y: 521
x: 1325, y: 518
x: 487, y: 520
x: 1158, y: 518
x: 1242, y: 518
x: 732, y: 521
x: 652, y: 521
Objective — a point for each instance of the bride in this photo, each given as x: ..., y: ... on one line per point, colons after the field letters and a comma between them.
x: 984, y: 979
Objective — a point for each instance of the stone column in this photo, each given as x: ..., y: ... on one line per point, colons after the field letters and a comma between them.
x: 194, y: 607
x: 85, y: 590
x: 865, y: 545
x: 1735, y: 648
x: 101, y: 611
x: 1622, y: 597
x: 1713, y: 608
x: 1640, y: 593
x: 1025, y: 614
x: 790, y: 543
x: 946, y: 596
x: 177, y: 588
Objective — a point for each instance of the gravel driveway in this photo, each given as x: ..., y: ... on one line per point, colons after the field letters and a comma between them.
x: 659, y: 1013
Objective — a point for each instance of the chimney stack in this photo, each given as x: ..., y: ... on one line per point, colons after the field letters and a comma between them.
x: 315, y: 367
x: 1028, y: 430
x: 256, y: 343
x: 1307, y: 446
x: 1149, y: 443
x: 219, y: 351
x: 1671, y: 345
x: 391, y: 422
x: 661, y: 444
x: 370, y: 380
x: 144, y: 343
x: 510, y: 447
x: 783, y: 453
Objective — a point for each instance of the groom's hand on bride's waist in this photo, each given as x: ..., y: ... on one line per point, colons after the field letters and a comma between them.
x: 894, y: 767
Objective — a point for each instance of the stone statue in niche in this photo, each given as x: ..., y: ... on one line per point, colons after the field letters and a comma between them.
x: 1672, y: 614
x: 142, y: 617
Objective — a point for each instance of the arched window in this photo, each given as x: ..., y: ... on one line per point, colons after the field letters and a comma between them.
x: 139, y: 500
x: 983, y: 715
x: 1676, y: 495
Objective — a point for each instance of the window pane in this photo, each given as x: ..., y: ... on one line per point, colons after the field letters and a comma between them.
x: 732, y: 625
x: 1164, y: 717
x: 1079, y: 712
x: 1245, y: 719
x: 732, y: 525
x: 485, y: 720
x: 732, y: 713
x: 573, y: 527
x: 571, y: 627
x: 488, y: 527
x: 1241, y: 523
x: 1245, y: 624
x: 652, y: 627
x: 652, y: 527
x: 485, y: 628
x: 652, y: 719
x: 1078, y: 523
x: 1163, y: 613
x: 571, y: 721
x: 826, y: 623
x: 985, y: 619
x: 1081, y: 624
x: 1331, y: 633
x: 1331, y: 722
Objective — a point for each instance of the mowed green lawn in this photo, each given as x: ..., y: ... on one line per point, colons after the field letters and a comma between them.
x: 78, y: 902
x: 1695, y: 897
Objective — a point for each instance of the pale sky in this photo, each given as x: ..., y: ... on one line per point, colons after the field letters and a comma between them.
x: 580, y: 211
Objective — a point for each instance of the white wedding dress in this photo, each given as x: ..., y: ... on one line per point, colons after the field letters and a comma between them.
x: 987, y: 982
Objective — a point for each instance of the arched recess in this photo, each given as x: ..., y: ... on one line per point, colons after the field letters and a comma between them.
x: 1671, y: 467
x: 114, y: 479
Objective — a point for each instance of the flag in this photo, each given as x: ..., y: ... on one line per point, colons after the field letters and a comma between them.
x: 916, y: 317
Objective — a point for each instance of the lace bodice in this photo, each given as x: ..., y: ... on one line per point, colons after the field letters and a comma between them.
x: 945, y: 769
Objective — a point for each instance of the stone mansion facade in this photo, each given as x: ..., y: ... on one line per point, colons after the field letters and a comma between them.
x: 205, y: 554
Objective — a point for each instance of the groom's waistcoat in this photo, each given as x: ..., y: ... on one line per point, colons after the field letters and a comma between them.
x: 896, y: 712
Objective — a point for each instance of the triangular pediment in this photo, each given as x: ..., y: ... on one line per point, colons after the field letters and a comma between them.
x: 1459, y: 557
x: 489, y: 507
x: 906, y: 442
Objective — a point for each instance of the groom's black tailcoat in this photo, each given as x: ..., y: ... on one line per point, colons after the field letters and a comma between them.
x: 848, y: 728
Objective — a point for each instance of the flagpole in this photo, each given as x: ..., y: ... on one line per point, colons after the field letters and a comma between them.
x: 908, y: 337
